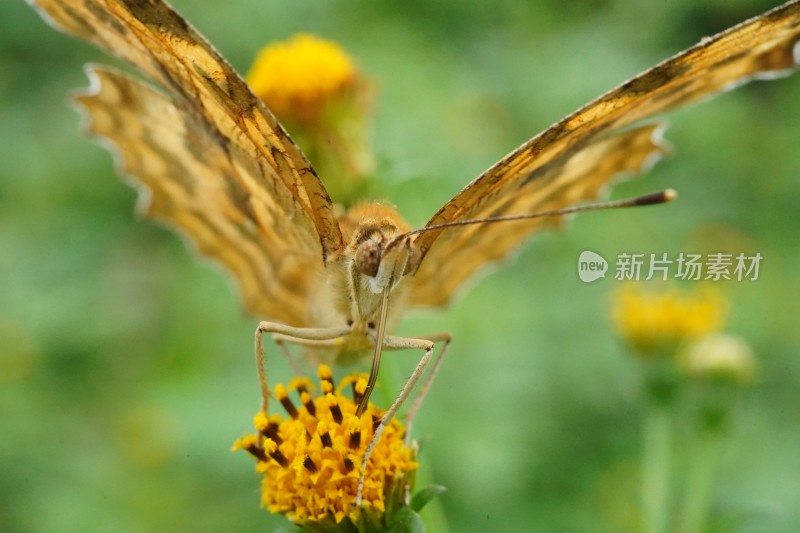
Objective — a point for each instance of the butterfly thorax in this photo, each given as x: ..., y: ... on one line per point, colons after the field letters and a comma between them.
x: 375, y: 258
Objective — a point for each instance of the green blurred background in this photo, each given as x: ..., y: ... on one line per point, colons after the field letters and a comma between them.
x: 126, y: 366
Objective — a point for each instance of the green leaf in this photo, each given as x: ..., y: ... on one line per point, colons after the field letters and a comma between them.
x: 289, y: 529
x: 407, y: 521
x: 425, y: 495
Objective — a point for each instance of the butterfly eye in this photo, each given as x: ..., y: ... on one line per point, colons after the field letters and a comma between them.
x: 368, y: 257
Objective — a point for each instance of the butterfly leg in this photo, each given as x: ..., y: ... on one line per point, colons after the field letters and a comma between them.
x: 402, y: 343
x: 413, y: 409
x: 294, y: 363
x: 284, y: 333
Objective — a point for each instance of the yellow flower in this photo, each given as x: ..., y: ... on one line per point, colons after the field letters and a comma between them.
x: 311, y: 460
x: 314, y: 88
x: 721, y: 358
x: 297, y: 78
x: 656, y: 323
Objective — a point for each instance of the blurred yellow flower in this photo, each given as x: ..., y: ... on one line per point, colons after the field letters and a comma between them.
x: 657, y: 322
x: 311, y: 460
x: 315, y: 89
x: 297, y: 78
x: 719, y: 357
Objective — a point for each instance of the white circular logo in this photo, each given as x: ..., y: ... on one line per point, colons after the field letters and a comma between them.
x: 591, y: 266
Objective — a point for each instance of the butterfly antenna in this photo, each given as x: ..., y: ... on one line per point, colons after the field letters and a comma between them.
x: 655, y: 198
x: 376, y: 357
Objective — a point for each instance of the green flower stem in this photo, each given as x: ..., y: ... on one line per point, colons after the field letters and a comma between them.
x: 656, y: 464
x: 433, y: 514
x: 700, y: 481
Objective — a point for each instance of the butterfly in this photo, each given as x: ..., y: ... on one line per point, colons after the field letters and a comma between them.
x: 211, y: 161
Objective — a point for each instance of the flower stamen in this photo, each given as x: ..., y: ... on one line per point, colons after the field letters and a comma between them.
x: 272, y: 448
x: 359, y: 388
x: 309, y: 465
x: 268, y: 428
x: 286, y: 402
x: 326, y: 375
x: 336, y: 411
x: 355, y: 440
x: 308, y: 402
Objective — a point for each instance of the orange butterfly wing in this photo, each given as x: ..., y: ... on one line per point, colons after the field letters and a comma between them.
x: 574, y: 159
x: 213, y: 161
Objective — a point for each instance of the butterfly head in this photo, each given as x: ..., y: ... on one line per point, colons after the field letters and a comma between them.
x: 384, y: 259
x: 378, y: 254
